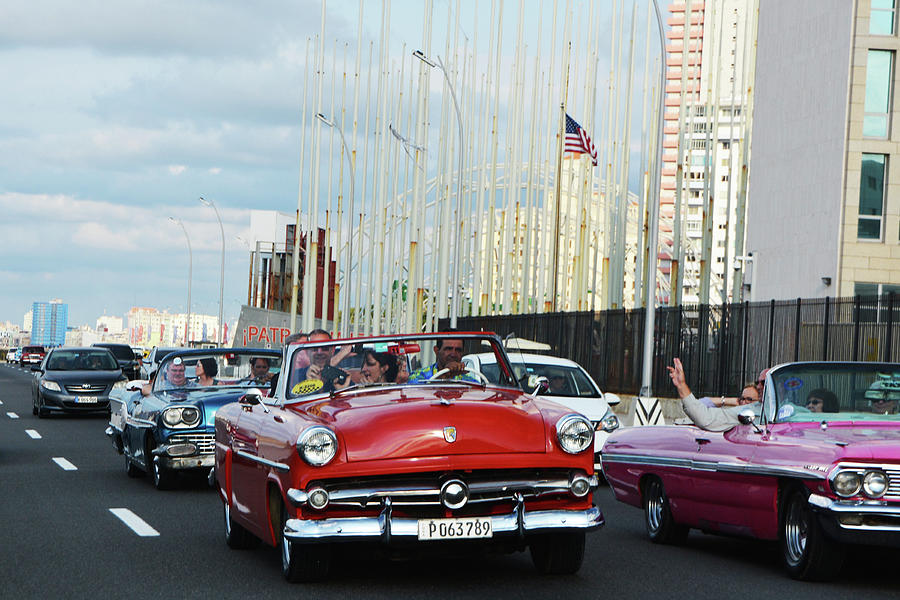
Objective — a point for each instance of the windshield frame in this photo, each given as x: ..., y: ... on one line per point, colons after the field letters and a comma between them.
x: 193, y: 355
x: 778, y: 407
x: 492, y: 340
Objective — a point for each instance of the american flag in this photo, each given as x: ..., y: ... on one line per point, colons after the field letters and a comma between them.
x: 578, y: 141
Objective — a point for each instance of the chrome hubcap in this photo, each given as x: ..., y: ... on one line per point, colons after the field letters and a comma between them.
x: 654, y: 506
x: 795, y: 533
x: 227, y: 520
x: 285, y: 552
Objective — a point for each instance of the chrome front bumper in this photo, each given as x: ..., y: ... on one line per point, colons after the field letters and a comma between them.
x: 387, y: 528
x: 865, y: 522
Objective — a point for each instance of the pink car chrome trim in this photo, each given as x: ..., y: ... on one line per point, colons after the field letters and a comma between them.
x: 705, y: 465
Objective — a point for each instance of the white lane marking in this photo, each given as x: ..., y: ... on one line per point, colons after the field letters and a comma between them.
x: 137, y: 524
x: 12, y: 415
x: 64, y: 464
x: 33, y: 434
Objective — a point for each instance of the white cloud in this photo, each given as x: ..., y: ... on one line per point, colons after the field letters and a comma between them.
x: 98, y: 235
x: 177, y: 169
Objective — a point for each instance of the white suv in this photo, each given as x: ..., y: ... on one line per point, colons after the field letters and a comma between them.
x: 570, y: 385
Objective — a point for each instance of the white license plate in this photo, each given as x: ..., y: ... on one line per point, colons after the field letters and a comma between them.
x: 455, y: 529
x: 86, y: 399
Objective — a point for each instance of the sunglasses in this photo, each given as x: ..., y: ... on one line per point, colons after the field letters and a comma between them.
x: 814, y: 402
x: 748, y: 399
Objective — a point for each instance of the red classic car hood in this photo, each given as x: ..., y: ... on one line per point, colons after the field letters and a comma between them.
x: 854, y: 440
x: 417, y: 421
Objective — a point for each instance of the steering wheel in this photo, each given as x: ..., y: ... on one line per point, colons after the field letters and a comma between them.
x: 477, y: 374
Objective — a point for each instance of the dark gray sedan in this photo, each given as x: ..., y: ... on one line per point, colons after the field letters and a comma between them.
x: 75, y: 380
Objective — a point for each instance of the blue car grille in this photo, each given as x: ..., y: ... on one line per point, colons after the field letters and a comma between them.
x: 206, y: 442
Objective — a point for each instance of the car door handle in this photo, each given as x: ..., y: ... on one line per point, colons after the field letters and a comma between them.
x: 278, y: 419
x: 702, y: 441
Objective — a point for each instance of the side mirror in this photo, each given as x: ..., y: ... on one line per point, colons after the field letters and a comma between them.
x: 748, y: 417
x: 612, y: 399
x: 253, y: 397
x: 539, y: 383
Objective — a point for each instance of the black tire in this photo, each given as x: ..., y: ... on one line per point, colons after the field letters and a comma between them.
x: 236, y: 536
x: 163, y: 478
x: 661, y: 526
x: 41, y: 411
x: 34, y: 409
x: 557, y: 553
x: 807, y: 553
x: 301, y: 562
x: 131, y: 469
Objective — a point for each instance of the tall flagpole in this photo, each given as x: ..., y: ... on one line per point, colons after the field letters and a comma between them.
x: 650, y: 314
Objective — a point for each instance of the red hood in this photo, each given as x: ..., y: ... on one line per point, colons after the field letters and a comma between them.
x: 858, y: 440
x: 409, y: 422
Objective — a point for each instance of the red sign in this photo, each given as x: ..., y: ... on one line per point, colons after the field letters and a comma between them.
x: 254, y: 335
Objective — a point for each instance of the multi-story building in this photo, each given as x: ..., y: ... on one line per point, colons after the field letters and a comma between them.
x: 48, y: 323
x: 824, y: 196
x: 708, y: 58
x: 150, y: 327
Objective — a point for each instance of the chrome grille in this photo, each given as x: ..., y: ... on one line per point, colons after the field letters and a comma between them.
x: 206, y: 442
x: 424, y: 489
x: 91, y: 388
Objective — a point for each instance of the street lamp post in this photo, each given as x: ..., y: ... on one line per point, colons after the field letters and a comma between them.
x: 454, y: 278
x: 346, y: 318
x: 222, y: 272
x: 187, y: 324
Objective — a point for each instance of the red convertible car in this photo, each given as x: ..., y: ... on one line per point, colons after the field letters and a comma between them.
x: 818, y: 470
x: 389, y: 441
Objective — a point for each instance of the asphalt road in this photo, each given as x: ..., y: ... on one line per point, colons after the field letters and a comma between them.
x: 60, y: 539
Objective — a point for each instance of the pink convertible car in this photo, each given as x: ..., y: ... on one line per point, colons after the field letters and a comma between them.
x: 819, y: 468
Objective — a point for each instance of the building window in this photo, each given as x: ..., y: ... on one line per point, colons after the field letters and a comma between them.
x: 871, y: 196
x: 881, y: 19
x: 878, y: 93
x: 698, y: 144
x: 726, y: 145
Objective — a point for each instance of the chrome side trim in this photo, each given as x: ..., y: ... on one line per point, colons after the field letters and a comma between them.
x: 140, y: 423
x: 386, y: 527
x: 258, y: 459
x: 712, y: 466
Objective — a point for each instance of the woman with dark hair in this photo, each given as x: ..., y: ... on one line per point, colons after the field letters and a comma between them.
x: 207, y: 369
x: 822, y: 400
x: 378, y: 367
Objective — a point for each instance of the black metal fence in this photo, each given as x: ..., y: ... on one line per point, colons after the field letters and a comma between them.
x: 721, y: 347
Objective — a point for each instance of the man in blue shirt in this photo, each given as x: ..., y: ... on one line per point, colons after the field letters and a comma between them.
x: 448, y: 355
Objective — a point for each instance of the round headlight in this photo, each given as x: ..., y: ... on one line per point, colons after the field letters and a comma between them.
x: 190, y: 416
x: 317, y: 445
x: 318, y: 498
x: 171, y: 416
x: 50, y: 385
x: 846, y: 483
x: 574, y: 433
x: 609, y: 422
x: 875, y: 484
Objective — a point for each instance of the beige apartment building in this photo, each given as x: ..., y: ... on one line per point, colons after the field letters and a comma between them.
x: 824, y: 194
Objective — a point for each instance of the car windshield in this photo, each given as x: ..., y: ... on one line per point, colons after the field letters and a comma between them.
x: 81, y: 360
x: 815, y: 392
x: 214, y: 369
x: 33, y: 349
x: 325, y: 366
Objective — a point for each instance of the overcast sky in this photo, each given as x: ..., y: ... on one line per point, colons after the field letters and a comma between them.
x: 116, y: 115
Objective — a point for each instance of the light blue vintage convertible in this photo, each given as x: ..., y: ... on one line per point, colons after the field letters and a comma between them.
x: 166, y: 425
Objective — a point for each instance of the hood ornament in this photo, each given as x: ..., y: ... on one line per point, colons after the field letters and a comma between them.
x: 450, y: 434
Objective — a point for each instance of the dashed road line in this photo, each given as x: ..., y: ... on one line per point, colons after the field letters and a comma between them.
x: 137, y: 524
x: 33, y: 434
x: 64, y: 464
x: 12, y: 415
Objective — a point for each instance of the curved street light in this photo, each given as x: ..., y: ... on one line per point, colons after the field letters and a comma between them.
x: 187, y: 324
x: 346, y: 318
x: 219, y: 338
x: 454, y: 276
